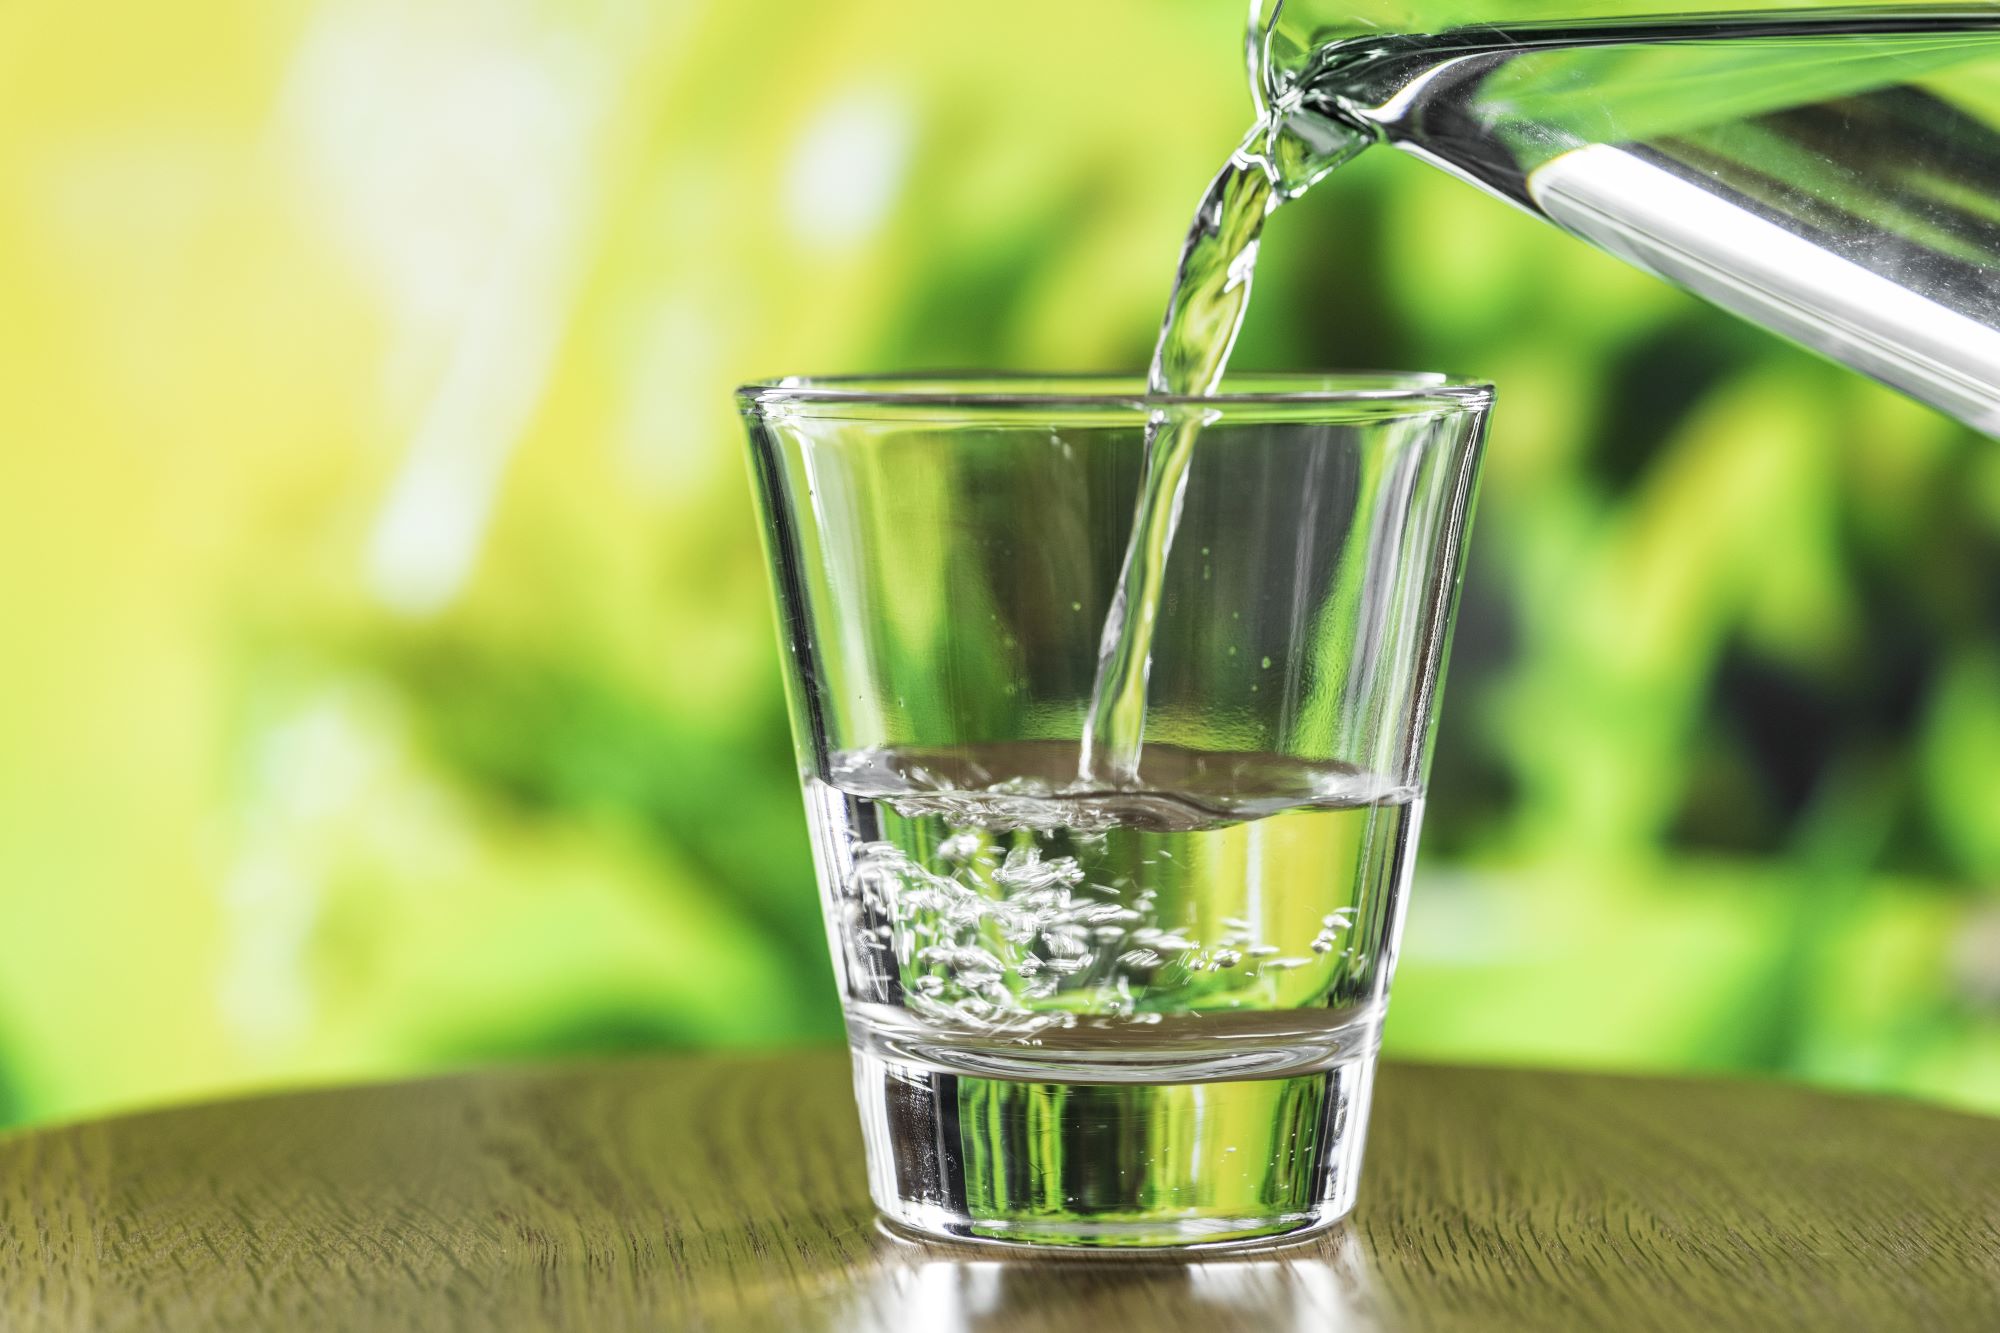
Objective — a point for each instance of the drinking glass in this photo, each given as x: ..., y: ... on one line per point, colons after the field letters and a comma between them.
x: 1126, y: 1013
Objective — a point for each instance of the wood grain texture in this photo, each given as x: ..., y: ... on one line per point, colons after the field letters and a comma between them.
x: 728, y: 1194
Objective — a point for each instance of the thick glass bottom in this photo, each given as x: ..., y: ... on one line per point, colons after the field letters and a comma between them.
x: 1112, y: 1165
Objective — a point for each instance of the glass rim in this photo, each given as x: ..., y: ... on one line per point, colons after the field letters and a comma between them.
x: 980, y: 390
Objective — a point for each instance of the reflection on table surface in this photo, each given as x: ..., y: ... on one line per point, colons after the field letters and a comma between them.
x: 1322, y: 1284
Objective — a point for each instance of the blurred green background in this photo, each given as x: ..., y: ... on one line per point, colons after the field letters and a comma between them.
x: 389, y: 680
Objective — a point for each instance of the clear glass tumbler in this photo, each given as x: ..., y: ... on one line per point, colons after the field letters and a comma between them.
x: 1131, y: 1012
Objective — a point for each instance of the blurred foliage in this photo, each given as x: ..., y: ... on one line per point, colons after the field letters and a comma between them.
x: 390, y: 681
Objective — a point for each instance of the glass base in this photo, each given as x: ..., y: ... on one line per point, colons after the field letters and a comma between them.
x: 1112, y: 1165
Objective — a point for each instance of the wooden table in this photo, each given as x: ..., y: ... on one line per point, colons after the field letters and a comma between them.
x: 727, y: 1193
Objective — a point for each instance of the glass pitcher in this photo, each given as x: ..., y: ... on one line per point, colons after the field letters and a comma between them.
x: 1831, y: 174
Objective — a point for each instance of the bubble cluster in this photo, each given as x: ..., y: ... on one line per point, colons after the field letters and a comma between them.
x: 984, y: 929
